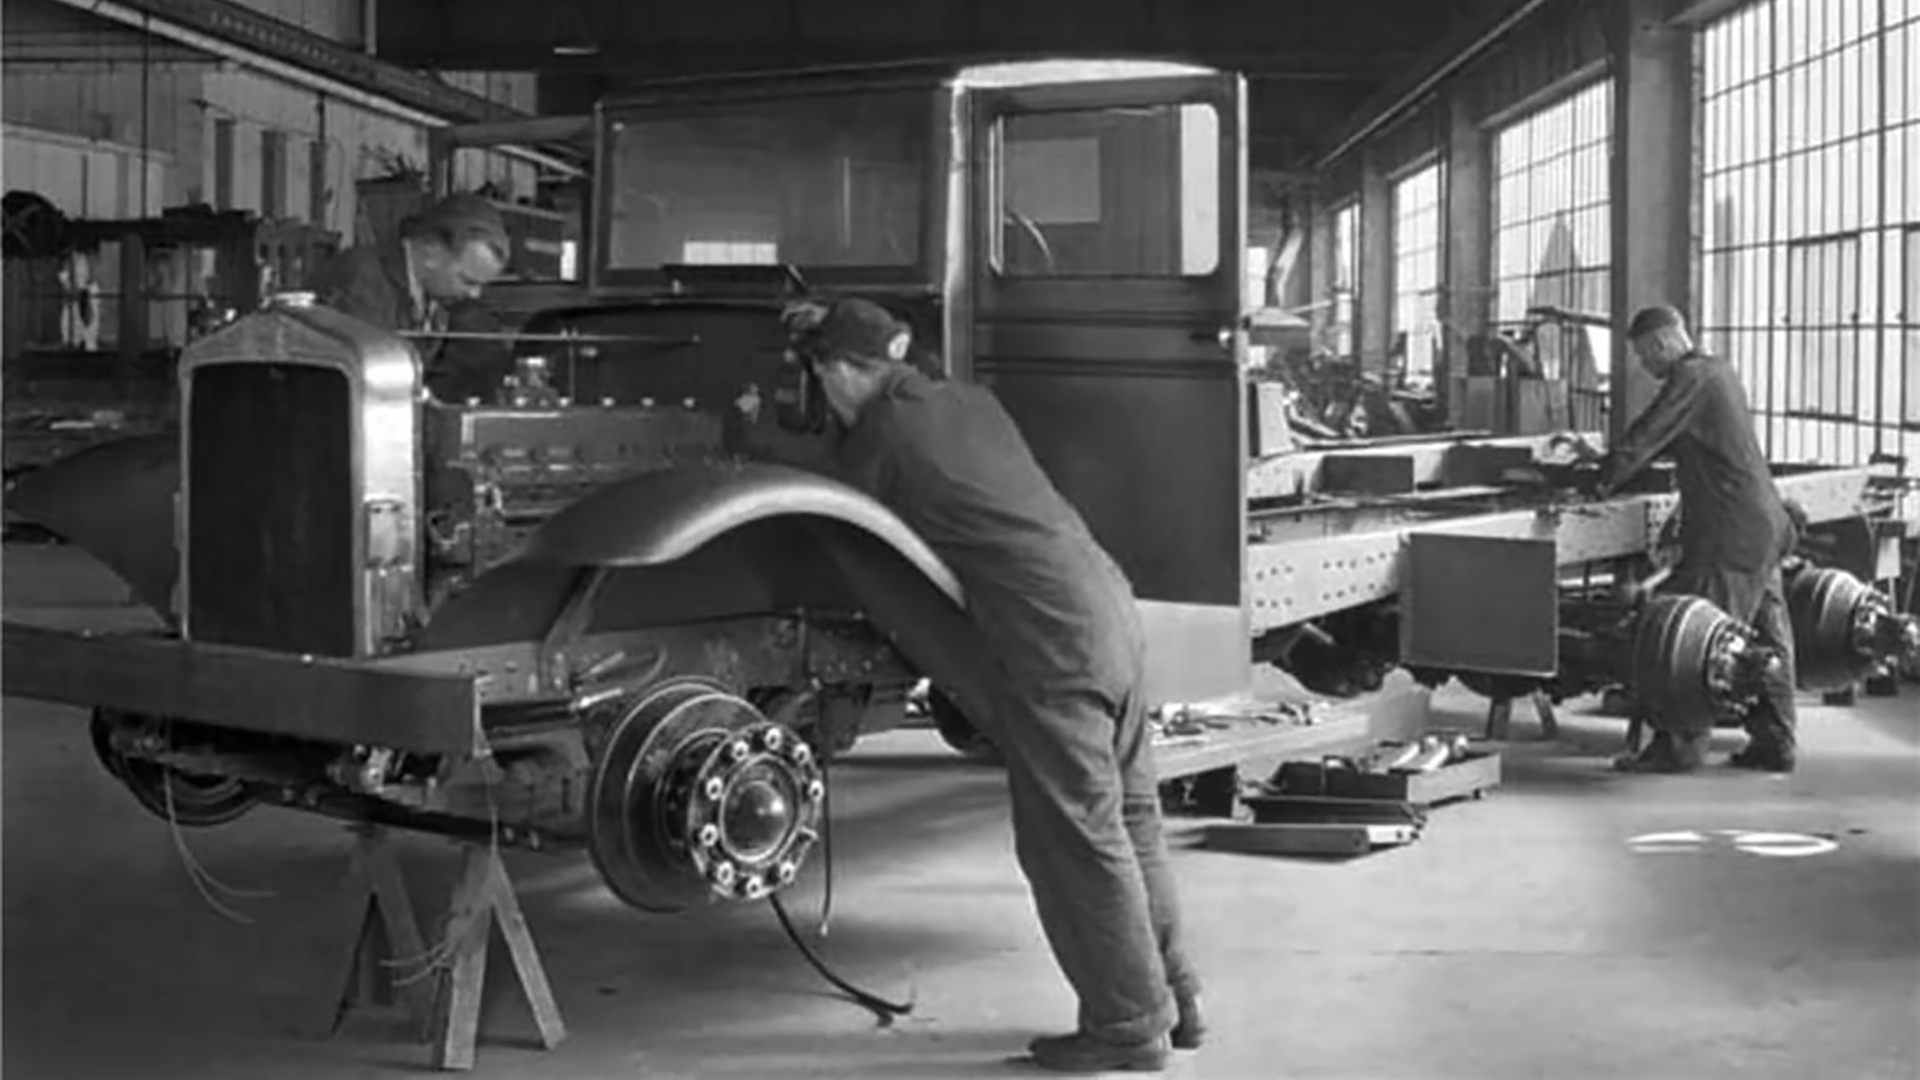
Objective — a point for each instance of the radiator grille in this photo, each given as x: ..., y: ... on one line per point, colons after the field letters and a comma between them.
x: 270, y: 551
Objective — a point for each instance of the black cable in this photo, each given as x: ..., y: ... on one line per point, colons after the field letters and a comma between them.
x: 881, y: 1008
x: 826, y: 838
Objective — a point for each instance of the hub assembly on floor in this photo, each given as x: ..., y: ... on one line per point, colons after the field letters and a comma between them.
x: 1689, y: 658
x: 1844, y: 629
x: 695, y: 794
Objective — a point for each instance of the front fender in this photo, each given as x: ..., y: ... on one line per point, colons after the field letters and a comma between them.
x: 696, y: 516
x: 115, y: 502
x: 661, y: 517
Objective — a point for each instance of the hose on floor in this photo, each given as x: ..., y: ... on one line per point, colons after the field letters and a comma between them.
x: 882, y: 1009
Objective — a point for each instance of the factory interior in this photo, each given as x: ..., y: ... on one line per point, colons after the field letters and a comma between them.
x: 1322, y: 540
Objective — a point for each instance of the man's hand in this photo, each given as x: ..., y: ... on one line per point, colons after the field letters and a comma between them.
x: 1582, y: 449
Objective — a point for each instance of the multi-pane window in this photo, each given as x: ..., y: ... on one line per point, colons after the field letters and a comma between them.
x: 1346, y: 277
x: 1811, y: 221
x: 1416, y: 270
x: 1551, y: 240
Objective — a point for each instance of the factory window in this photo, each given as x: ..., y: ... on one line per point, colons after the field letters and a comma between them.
x: 1551, y: 240
x: 1810, y: 209
x: 1110, y: 193
x: 1416, y: 272
x: 1346, y: 277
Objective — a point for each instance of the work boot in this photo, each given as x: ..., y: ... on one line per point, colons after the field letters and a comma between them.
x: 1082, y: 1053
x: 1666, y: 754
x: 1764, y: 755
x: 1191, y: 1030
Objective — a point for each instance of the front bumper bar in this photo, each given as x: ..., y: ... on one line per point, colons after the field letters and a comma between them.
x: 305, y: 697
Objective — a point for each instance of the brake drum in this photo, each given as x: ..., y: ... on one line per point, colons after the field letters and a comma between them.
x: 695, y: 795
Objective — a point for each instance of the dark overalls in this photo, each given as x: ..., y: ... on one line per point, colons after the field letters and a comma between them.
x: 1734, y: 529
x: 370, y: 284
x: 1067, y: 642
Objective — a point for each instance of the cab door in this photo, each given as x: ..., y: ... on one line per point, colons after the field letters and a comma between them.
x: 1108, y: 235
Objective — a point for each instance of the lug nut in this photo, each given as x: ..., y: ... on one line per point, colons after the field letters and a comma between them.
x: 755, y: 888
x: 714, y: 788
x: 771, y: 739
x: 801, y: 753
x: 739, y: 750
x: 723, y: 874
x: 709, y: 834
x: 786, y: 873
x: 815, y: 790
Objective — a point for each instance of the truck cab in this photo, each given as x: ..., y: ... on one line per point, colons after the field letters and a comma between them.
x: 1070, y: 234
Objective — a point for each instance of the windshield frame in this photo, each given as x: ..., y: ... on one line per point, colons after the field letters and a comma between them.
x: 697, y: 98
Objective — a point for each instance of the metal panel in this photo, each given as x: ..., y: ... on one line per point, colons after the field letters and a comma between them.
x: 1481, y: 603
x: 273, y: 693
x: 1369, y: 474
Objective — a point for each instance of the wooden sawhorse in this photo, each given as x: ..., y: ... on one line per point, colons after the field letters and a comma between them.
x: 388, y: 964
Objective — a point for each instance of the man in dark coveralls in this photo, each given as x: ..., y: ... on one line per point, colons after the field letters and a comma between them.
x: 1734, y: 527
x: 425, y: 280
x: 1068, y: 645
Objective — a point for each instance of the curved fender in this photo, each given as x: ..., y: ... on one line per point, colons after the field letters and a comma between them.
x: 115, y: 502
x: 904, y: 587
x: 659, y: 517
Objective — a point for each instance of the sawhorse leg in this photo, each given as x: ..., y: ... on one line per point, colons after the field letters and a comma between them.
x: 484, y: 898
x: 443, y: 1005
x: 384, y: 939
x: 1500, y: 716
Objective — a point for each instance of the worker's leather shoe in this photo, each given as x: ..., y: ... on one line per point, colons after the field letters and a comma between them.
x: 1191, y: 1030
x: 1666, y: 754
x: 1763, y: 756
x: 1082, y: 1053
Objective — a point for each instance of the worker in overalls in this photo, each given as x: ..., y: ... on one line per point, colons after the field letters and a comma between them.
x: 426, y: 280
x: 1068, y: 647
x: 1734, y: 528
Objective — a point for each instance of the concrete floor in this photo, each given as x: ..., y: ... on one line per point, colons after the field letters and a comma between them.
x: 1522, y: 936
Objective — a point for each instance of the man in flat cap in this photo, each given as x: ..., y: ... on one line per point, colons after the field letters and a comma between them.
x: 426, y: 279
x: 1065, y: 640
x: 1734, y: 527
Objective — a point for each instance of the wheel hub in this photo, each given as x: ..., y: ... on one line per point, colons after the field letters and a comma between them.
x: 1690, y: 658
x: 697, y: 795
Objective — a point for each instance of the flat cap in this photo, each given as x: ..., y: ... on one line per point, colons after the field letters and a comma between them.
x: 855, y: 327
x: 1658, y: 317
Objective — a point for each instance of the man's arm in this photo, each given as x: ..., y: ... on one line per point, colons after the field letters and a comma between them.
x: 867, y: 457
x: 1655, y: 429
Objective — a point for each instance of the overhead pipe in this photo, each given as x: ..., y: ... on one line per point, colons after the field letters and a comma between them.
x: 1432, y: 79
x: 146, y: 22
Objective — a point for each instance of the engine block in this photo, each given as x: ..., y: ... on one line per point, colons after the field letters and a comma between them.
x: 495, y: 472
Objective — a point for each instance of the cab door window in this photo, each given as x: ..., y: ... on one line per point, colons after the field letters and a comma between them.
x: 1116, y: 192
